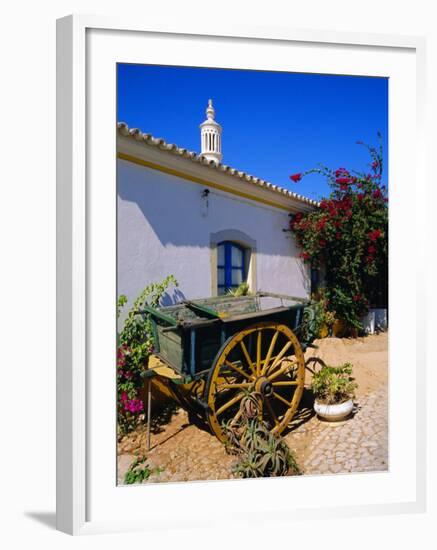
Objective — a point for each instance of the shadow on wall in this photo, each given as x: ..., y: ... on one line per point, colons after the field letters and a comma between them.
x: 174, y: 298
x: 174, y: 213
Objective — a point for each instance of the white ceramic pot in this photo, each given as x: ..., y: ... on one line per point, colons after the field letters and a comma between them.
x: 368, y: 322
x: 333, y: 413
x: 381, y: 321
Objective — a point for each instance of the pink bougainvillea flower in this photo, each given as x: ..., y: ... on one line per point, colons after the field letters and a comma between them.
x: 133, y: 405
x: 296, y: 177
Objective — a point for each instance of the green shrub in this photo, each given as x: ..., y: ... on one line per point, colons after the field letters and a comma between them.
x: 139, y: 471
x: 135, y: 344
x: 348, y: 235
x: 332, y: 385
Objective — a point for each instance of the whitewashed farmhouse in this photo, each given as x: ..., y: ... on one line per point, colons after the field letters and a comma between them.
x: 208, y: 224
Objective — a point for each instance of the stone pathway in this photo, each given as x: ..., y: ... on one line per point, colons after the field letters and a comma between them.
x: 359, y: 444
x: 185, y: 452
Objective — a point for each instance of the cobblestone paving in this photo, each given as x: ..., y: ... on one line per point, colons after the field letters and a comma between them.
x: 359, y: 444
x: 184, y: 452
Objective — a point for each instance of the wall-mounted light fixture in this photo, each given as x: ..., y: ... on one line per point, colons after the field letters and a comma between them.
x: 205, y: 203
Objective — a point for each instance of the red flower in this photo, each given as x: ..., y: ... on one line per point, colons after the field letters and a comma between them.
x: 357, y: 297
x: 374, y: 235
x: 322, y: 243
x: 305, y: 255
x: 321, y: 224
x: 360, y: 196
x: 296, y: 219
x: 377, y: 194
x: 375, y: 164
x: 296, y: 177
x: 338, y: 235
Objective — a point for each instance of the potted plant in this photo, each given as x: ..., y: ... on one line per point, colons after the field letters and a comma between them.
x: 334, y: 390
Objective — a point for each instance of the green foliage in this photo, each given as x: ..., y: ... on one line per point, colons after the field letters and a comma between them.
x: 241, y: 290
x: 348, y: 235
x: 332, y: 385
x: 139, y: 471
x: 260, y: 453
x: 316, y: 316
x: 135, y: 344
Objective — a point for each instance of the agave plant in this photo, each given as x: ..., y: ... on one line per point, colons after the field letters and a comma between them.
x: 260, y: 452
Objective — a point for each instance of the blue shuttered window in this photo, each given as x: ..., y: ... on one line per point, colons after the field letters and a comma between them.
x: 230, y: 266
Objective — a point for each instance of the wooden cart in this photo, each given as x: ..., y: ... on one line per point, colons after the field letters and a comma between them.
x: 215, y: 351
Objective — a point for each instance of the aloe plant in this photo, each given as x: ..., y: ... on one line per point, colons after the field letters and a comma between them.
x: 260, y: 453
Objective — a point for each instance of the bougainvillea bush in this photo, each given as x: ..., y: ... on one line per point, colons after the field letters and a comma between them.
x: 348, y: 237
x: 135, y: 344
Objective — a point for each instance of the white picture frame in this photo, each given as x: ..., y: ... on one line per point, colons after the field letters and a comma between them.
x: 75, y: 315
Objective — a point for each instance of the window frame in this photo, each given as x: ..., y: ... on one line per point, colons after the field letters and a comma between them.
x: 228, y: 267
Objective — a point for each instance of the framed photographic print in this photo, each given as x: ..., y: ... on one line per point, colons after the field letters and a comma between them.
x: 232, y: 275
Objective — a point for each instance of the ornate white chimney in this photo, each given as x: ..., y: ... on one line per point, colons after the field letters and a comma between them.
x: 211, y: 136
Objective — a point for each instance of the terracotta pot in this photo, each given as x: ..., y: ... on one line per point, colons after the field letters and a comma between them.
x: 339, y: 328
x: 324, y: 331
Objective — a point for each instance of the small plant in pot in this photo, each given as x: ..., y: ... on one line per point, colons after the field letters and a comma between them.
x: 334, y: 390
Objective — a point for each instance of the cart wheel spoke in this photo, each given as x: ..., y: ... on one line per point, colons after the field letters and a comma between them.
x: 237, y: 369
x: 264, y: 360
x: 280, y: 355
x: 283, y: 370
x: 231, y: 402
x: 242, y: 385
x: 270, y: 352
x: 258, y: 352
x: 281, y: 399
x: 247, y: 357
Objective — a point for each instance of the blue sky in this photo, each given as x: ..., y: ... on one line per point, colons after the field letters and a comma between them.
x: 274, y: 124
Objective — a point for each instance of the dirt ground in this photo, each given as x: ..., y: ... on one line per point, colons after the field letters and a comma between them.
x: 185, y: 452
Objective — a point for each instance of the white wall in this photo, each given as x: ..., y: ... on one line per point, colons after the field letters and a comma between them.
x: 164, y: 228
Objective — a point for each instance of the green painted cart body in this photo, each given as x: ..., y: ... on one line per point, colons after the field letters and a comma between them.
x: 197, y: 342
x: 189, y: 335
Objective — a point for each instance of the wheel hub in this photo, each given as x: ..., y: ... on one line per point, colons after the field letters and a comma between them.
x: 264, y: 386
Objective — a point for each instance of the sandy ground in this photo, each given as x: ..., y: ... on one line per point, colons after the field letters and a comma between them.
x: 186, y: 452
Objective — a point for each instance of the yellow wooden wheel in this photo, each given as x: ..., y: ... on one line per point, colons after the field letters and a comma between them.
x: 265, y: 361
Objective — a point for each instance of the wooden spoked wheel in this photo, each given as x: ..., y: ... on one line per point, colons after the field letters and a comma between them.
x: 265, y: 361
